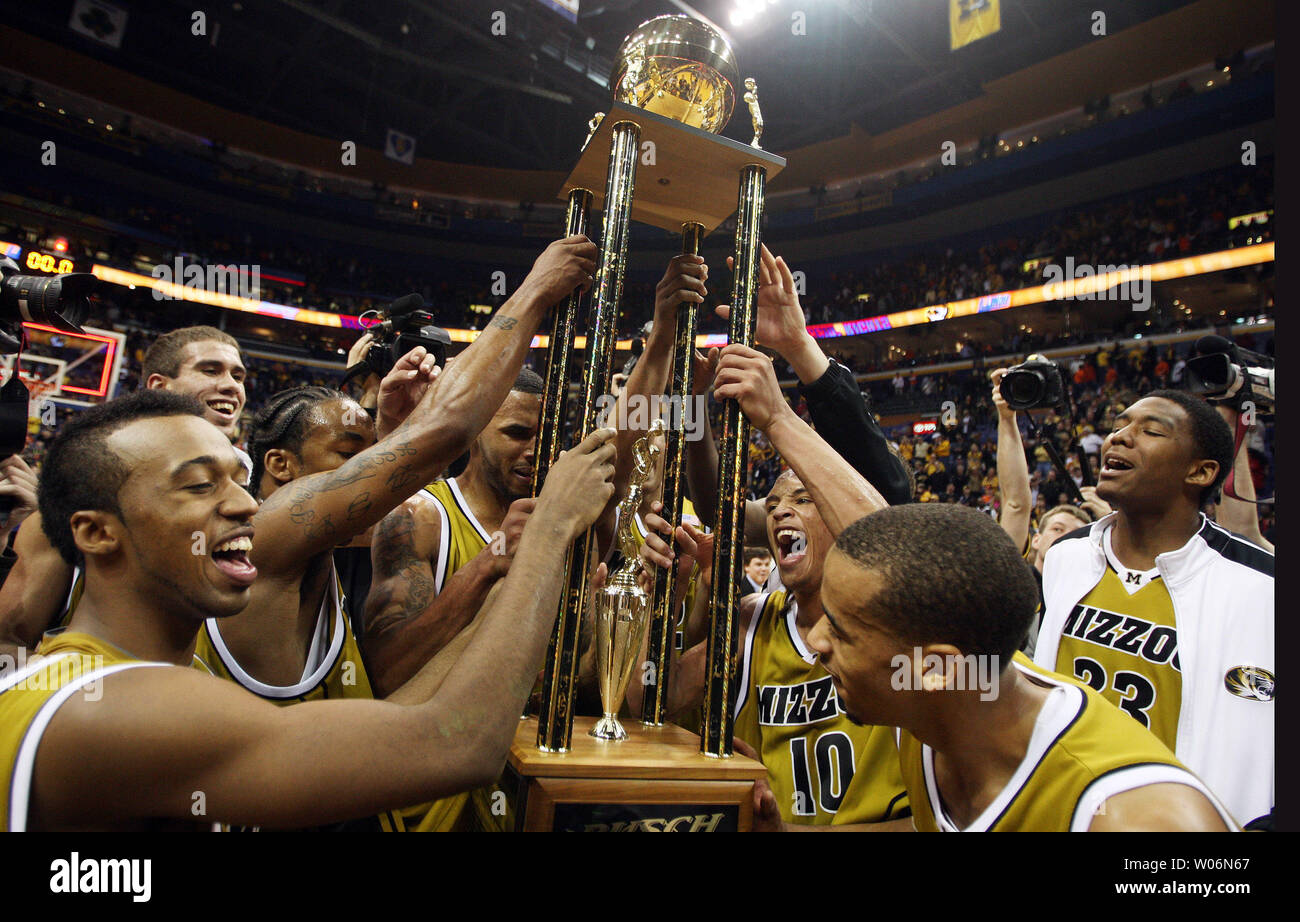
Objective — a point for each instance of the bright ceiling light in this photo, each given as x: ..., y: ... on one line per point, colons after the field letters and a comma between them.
x: 745, y: 10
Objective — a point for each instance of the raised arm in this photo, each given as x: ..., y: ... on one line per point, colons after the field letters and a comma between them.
x: 842, y: 494
x: 408, y: 619
x: 159, y: 737
x: 683, y: 281
x: 1013, y: 469
x: 1239, y: 515
x: 320, y: 511
x: 701, y: 465
x: 35, y: 590
x: 835, y: 402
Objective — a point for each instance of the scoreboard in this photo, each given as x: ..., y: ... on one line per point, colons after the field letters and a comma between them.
x: 37, y: 261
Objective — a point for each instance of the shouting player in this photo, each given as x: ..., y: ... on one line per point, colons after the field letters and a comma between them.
x: 823, y: 769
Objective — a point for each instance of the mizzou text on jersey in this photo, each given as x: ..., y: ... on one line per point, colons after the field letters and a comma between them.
x: 1122, y: 640
x: 824, y: 769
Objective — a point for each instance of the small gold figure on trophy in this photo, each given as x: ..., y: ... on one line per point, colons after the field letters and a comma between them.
x: 593, y: 125
x: 623, y: 608
x: 632, y: 78
x: 755, y: 113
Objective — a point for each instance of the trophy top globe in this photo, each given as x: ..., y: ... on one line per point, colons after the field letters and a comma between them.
x: 680, y: 68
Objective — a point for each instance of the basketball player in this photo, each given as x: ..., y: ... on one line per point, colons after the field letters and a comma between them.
x: 436, y: 556
x: 201, y: 361
x: 323, y: 479
x: 105, y: 732
x: 924, y: 606
x: 823, y: 770
x: 1165, y: 614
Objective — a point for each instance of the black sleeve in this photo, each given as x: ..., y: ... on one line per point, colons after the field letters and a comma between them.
x: 841, y: 416
x: 7, y: 560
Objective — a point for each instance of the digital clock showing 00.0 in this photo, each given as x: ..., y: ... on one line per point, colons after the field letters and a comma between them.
x: 44, y: 262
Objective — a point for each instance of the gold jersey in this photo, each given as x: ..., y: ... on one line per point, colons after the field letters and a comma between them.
x: 462, y: 537
x: 64, y: 664
x: 334, y: 670
x: 1121, y: 639
x: 1082, y: 751
x: 334, y: 667
x: 824, y: 769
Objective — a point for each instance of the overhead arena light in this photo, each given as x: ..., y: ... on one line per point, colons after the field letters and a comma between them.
x: 746, y: 10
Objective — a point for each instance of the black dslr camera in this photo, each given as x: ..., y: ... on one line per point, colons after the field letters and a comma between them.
x: 1033, y: 384
x: 60, y: 301
x: 401, y: 328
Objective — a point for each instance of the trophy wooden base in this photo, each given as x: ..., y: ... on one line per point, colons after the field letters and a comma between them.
x: 654, y: 781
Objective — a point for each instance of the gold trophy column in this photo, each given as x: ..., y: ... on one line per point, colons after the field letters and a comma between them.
x: 555, y: 720
x: 733, y: 475
x: 555, y: 399
x: 666, y: 603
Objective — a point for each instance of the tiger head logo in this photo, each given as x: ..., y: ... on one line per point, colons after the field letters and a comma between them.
x: 1250, y: 682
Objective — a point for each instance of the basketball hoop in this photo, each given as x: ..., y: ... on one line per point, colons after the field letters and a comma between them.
x: 38, y: 389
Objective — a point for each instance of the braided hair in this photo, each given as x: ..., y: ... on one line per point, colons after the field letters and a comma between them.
x: 282, y: 423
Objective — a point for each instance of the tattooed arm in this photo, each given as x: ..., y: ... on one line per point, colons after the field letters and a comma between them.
x: 315, y: 513
x: 407, y: 620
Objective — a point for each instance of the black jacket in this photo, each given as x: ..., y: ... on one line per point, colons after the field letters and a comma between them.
x: 841, y: 416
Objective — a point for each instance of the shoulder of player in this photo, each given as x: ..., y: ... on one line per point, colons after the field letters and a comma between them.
x: 121, y: 726
x: 417, y: 521
x: 1236, y: 549
x: 1160, y: 807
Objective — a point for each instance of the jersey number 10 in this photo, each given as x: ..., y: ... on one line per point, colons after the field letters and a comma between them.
x: 833, y: 753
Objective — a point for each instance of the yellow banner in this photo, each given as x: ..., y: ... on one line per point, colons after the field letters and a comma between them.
x: 971, y: 20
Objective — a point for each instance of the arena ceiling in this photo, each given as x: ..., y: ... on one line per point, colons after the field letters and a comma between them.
x: 435, y: 70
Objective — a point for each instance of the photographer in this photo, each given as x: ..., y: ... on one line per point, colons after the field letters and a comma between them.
x: 1240, y: 514
x: 1013, y: 480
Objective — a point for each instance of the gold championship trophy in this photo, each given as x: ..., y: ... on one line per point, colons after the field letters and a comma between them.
x: 674, y: 88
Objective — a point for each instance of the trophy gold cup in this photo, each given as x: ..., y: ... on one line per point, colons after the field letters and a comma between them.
x: 623, y: 607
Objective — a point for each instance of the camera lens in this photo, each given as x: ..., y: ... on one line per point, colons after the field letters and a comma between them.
x: 1209, y: 375
x: 1022, y: 389
x: 61, y: 301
